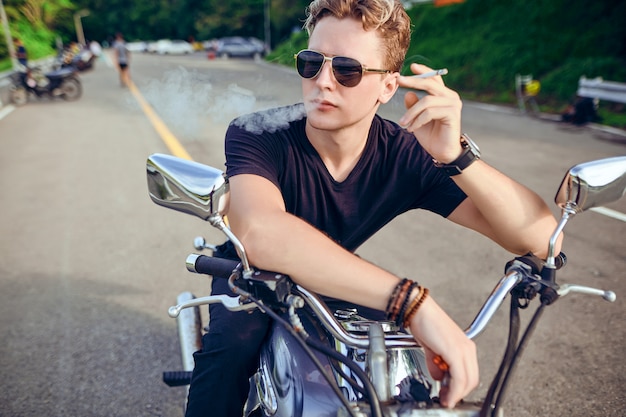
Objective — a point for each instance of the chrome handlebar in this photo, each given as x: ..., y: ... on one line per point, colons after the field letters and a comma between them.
x: 516, y: 273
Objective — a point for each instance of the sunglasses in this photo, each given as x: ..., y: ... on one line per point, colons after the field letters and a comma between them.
x: 347, y: 71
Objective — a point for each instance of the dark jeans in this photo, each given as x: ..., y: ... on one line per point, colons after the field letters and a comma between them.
x: 229, y: 357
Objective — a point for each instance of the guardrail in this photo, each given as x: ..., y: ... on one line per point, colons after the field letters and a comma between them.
x: 597, y: 88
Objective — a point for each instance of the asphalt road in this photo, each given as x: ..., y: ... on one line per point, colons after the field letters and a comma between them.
x: 89, y: 265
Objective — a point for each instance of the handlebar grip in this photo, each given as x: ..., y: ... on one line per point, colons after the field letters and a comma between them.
x: 217, y: 267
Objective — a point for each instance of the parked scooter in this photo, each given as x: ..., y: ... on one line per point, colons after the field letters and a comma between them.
x: 63, y: 82
x: 82, y: 60
x: 316, y: 362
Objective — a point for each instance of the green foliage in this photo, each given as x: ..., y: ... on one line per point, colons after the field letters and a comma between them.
x: 4, y: 50
x: 39, y: 43
x: 485, y: 43
x: 283, y: 54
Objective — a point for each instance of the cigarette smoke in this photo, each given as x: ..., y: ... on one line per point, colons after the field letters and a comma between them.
x: 270, y: 120
x: 184, y: 99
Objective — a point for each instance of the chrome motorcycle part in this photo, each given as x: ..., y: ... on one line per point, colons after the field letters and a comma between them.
x: 199, y: 243
x: 377, y: 362
x: 265, y: 389
x: 195, y: 189
x: 567, y: 288
x: 592, y: 184
x: 189, y: 330
x: 587, y: 185
x: 231, y: 303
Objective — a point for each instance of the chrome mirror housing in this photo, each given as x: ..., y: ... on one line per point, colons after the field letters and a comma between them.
x: 592, y: 184
x: 187, y: 186
x: 587, y: 185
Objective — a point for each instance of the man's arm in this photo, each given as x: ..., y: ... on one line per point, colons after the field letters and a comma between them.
x: 278, y: 241
x: 504, y: 210
x: 498, y: 207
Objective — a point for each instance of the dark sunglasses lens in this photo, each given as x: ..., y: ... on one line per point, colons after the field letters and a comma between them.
x: 347, y: 71
x: 309, y: 63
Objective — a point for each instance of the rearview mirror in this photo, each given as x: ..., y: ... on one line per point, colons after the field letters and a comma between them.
x: 592, y: 184
x: 187, y: 186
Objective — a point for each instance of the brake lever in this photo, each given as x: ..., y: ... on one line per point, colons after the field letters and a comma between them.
x: 567, y: 288
x: 231, y: 303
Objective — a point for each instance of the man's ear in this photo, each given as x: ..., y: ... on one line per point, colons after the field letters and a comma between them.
x: 389, y: 88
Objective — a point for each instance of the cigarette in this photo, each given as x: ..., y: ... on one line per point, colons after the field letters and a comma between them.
x: 434, y: 73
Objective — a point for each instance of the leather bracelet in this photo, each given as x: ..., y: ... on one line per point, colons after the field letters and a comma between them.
x: 394, y: 294
x: 397, y: 299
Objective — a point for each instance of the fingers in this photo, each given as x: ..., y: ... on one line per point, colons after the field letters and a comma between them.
x: 449, y: 353
x: 431, y: 84
x: 410, y: 99
x: 434, y: 119
x: 457, y: 380
x: 463, y: 378
x: 443, y: 109
x: 440, y: 104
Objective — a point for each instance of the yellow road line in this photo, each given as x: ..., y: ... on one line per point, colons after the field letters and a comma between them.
x: 166, y: 135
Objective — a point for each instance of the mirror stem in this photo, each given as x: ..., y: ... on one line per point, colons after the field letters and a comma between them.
x: 567, y: 213
x: 218, y: 221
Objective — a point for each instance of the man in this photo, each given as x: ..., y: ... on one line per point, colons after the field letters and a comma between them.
x: 20, y: 52
x: 122, y: 59
x: 309, y: 183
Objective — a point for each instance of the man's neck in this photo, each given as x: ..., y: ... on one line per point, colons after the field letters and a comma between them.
x: 340, y: 150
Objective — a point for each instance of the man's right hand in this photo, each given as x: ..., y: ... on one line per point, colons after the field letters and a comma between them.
x: 443, y: 340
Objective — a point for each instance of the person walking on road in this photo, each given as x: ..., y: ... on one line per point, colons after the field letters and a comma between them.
x: 122, y: 59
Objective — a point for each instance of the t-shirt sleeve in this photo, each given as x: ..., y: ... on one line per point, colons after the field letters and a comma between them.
x: 252, y: 153
x: 440, y: 194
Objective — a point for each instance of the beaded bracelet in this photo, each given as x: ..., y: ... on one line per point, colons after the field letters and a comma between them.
x: 398, y: 302
x: 412, y: 304
x: 415, y: 305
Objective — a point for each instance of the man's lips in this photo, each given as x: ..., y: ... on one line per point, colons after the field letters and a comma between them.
x: 324, y: 104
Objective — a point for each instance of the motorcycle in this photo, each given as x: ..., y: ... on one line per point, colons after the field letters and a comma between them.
x: 63, y: 82
x: 318, y: 362
x: 82, y: 60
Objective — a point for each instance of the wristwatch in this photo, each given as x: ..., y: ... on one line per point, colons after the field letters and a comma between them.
x: 470, y: 154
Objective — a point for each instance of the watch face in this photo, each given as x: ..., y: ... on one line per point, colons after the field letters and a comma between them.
x: 471, y: 143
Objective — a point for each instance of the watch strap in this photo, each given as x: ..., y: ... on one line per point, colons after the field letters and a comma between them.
x: 467, y: 157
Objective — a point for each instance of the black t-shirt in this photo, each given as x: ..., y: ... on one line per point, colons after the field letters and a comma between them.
x: 394, y: 174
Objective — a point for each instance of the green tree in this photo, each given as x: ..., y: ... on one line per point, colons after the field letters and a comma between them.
x: 35, y: 22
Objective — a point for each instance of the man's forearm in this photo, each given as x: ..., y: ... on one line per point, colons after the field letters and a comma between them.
x: 287, y: 244
x: 517, y: 218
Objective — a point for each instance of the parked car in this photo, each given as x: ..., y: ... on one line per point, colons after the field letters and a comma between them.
x: 239, y: 47
x: 151, y: 46
x: 166, y: 46
x: 138, y: 46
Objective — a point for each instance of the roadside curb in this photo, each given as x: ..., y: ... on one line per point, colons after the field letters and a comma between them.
x: 620, y: 134
x: 610, y: 133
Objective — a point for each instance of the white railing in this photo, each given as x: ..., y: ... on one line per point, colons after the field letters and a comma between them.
x: 597, y: 88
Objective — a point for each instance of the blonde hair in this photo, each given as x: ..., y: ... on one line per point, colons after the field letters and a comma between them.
x: 387, y: 17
